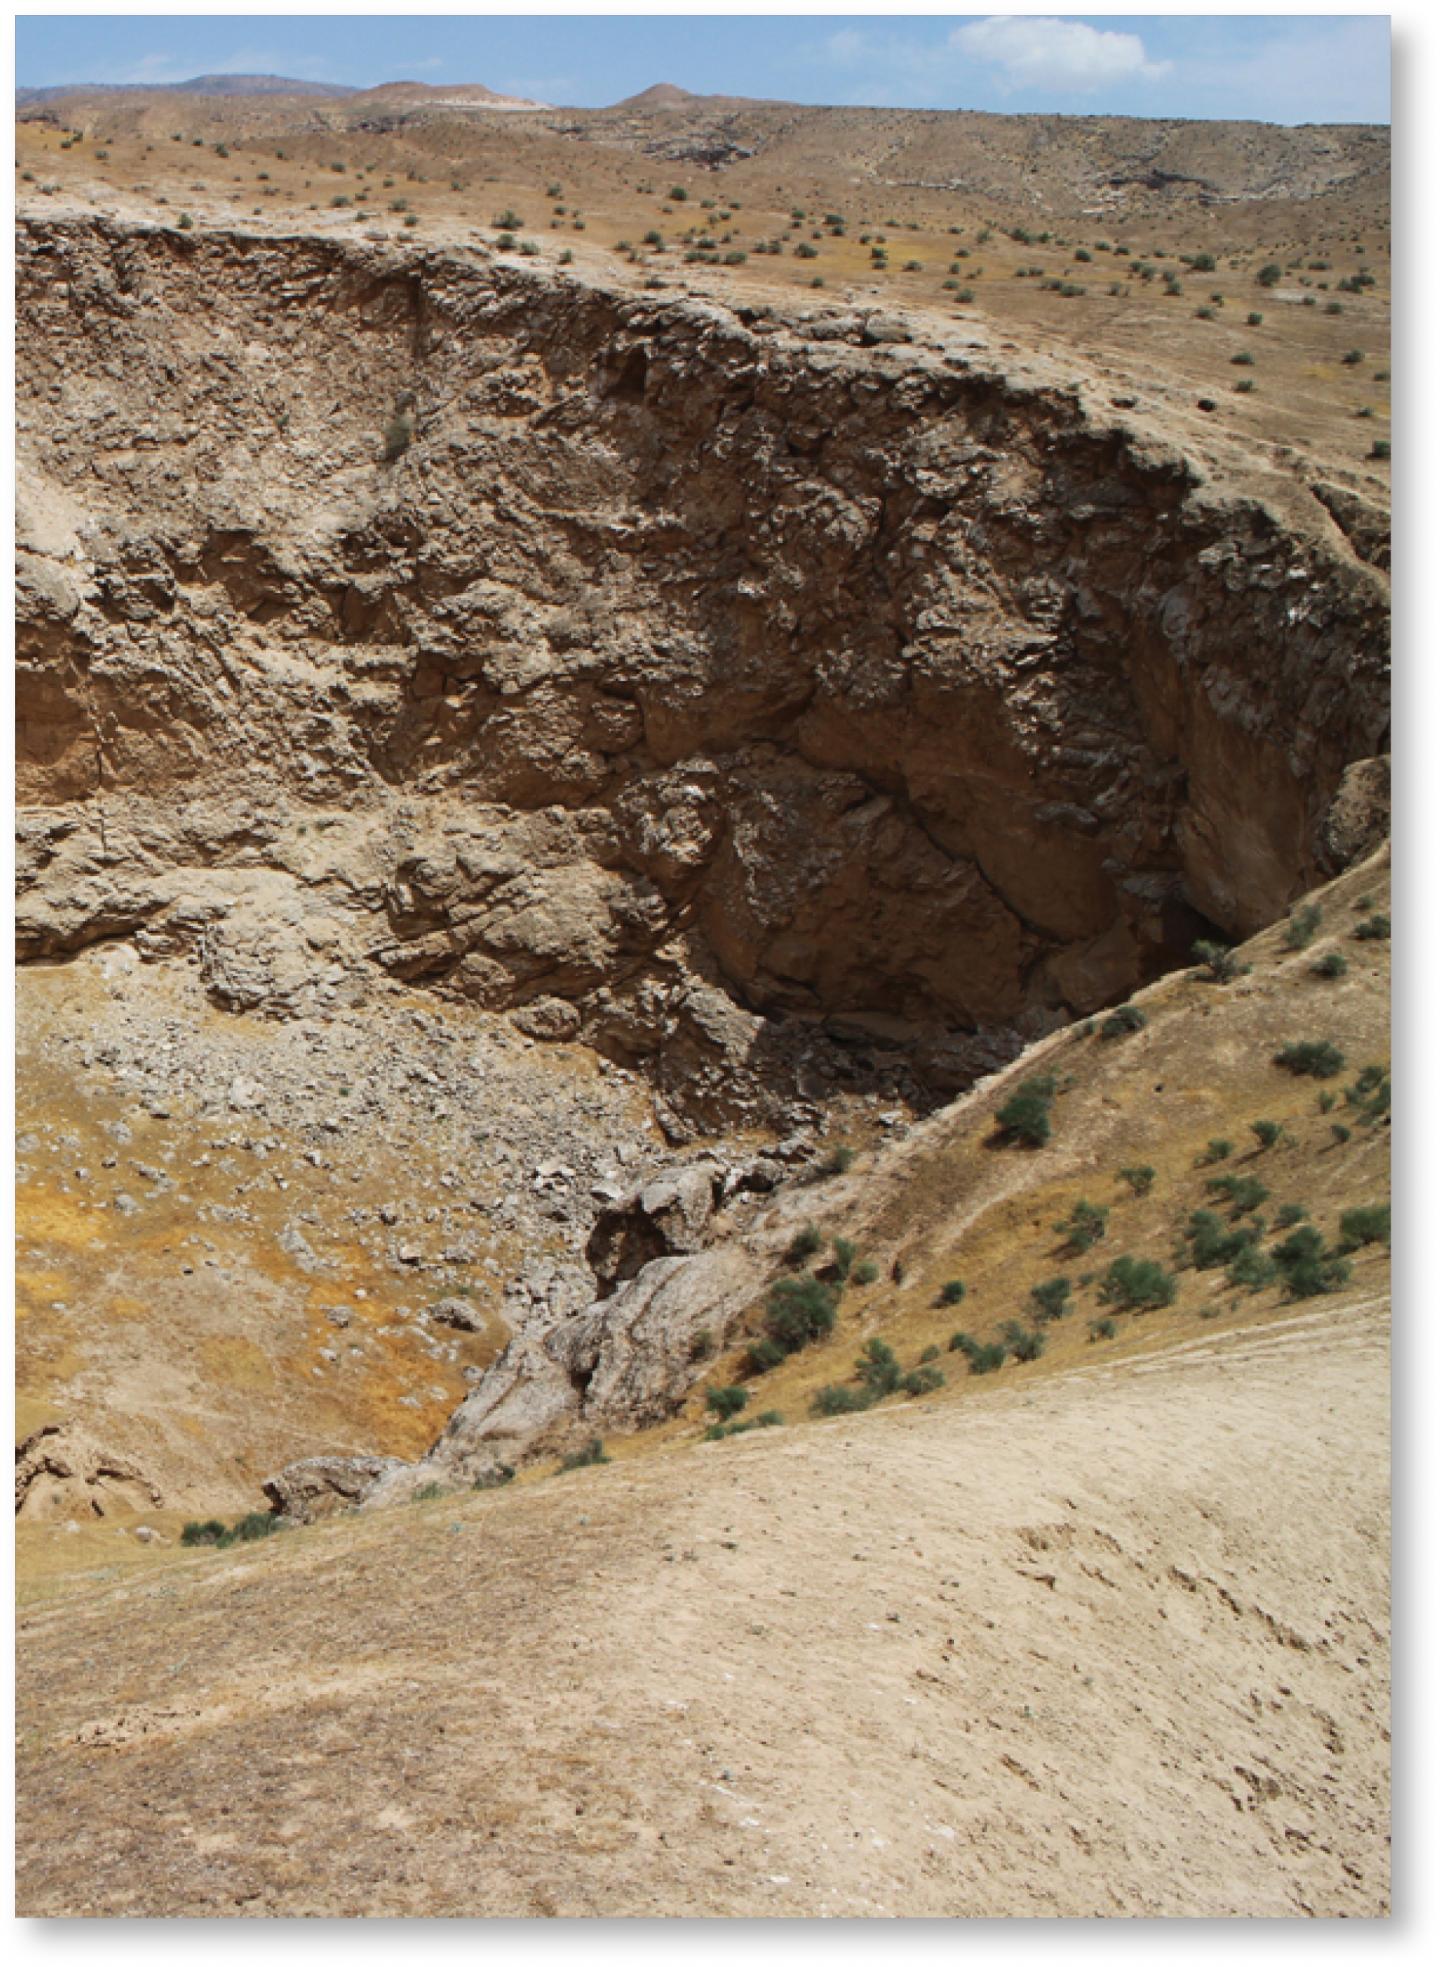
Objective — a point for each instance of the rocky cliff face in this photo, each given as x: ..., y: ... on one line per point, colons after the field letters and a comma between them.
x: 674, y: 680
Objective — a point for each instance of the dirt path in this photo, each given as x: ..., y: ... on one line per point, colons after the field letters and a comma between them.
x: 1113, y: 1645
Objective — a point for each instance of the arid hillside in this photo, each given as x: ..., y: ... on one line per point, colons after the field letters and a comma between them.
x: 703, y: 1057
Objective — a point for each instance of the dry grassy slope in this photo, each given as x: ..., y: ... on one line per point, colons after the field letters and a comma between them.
x: 1109, y: 1643
x: 954, y: 1203
x: 918, y: 1661
x: 932, y: 185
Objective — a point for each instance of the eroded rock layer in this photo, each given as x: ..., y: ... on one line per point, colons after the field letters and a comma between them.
x: 669, y: 678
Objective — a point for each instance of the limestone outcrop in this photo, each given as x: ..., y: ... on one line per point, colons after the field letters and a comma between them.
x: 689, y: 683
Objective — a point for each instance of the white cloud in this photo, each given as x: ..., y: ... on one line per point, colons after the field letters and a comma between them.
x: 1035, y: 52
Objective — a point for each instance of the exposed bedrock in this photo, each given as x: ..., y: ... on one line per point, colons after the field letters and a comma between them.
x: 675, y: 681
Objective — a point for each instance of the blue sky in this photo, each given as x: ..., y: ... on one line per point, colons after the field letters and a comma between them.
x: 1278, y: 68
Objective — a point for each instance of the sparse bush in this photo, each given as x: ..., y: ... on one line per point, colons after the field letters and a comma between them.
x: 1251, y: 1270
x: 1221, y: 964
x: 1331, y: 965
x: 1339, y: 1133
x: 923, y: 1379
x: 962, y: 1342
x: 987, y: 1358
x: 1308, y: 1269
x: 209, y: 1532
x: 800, y: 1310
x: 837, y: 1162
x: 877, y: 1368
x: 1141, y: 1178
x: 1137, y: 1284
x: 842, y: 1400
x: 1269, y: 275
x: 1313, y: 1058
x: 1128, y: 1018
x: 1084, y: 1227
x: 726, y: 1401
x: 1370, y: 1224
x: 1025, y: 1116
x: 590, y: 1456
x: 1216, y: 1150
x: 1022, y: 1343
x: 1374, y: 929
x: 1244, y: 1193
x: 1051, y: 1299
x: 1301, y: 929
x: 494, y: 1478
x: 428, y: 1492
x: 1290, y: 1213
x: 764, y: 1356
x: 1102, y: 1328
x: 1269, y: 1133
x: 843, y: 1257
x: 930, y: 1352
x: 804, y: 1244
x: 865, y: 1272
x: 1211, y: 1244
x: 952, y: 1293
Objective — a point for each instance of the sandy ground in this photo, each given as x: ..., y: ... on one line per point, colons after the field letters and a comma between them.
x: 1113, y: 1644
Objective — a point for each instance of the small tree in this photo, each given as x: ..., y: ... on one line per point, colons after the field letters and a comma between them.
x: 1141, y: 1178
x: 1084, y: 1227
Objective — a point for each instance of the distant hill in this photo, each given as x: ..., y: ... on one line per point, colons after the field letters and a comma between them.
x: 198, y: 85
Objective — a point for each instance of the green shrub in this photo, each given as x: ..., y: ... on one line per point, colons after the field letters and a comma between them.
x: 963, y: 1342
x: 1128, y: 1018
x: 494, y: 1478
x: 1309, y: 1270
x: 1301, y: 929
x: 1370, y: 1224
x: 726, y: 1401
x: 1102, y: 1328
x: 1338, y: 1133
x: 590, y: 1456
x: 800, y: 1310
x: 1315, y: 1058
x: 1022, y: 1343
x: 254, y: 1528
x: 1269, y: 275
x: 1251, y: 1270
x: 1140, y: 1178
x: 1216, y: 1151
x: 1332, y: 964
x: 803, y: 1245
x: 1244, y: 1193
x: 1290, y: 1213
x: 1137, y: 1284
x: 842, y: 1400
x: 838, y: 1161
x: 1211, y: 1244
x: 930, y: 1352
x: 1084, y: 1227
x: 843, y: 1257
x: 924, y: 1379
x: 877, y: 1368
x: 1025, y: 1116
x: 1269, y: 1133
x: 987, y: 1358
x: 427, y: 1492
x: 764, y: 1356
x: 1051, y: 1299
x: 1220, y: 964
x: 1374, y: 929
x: 952, y: 1293
x: 1370, y: 1095
x: 209, y: 1532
